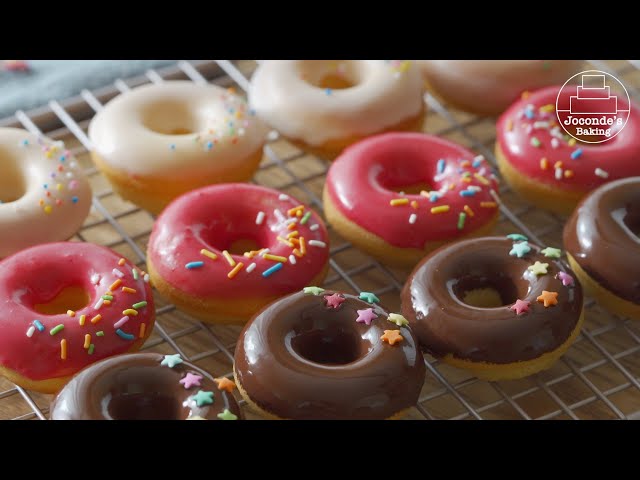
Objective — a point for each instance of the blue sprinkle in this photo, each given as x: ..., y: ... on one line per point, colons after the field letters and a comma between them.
x: 126, y: 336
x: 63, y: 158
x: 434, y: 197
x: 271, y: 270
x: 172, y: 146
x: 328, y: 91
x: 38, y: 325
x: 45, y: 186
x: 441, y: 165
x: 576, y: 154
x: 192, y: 265
x: 209, y: 145
x: 74, y: 199
x: 528, y: 112
x: 467, y: 193
x: 476, y: 163
x: 25, y: 142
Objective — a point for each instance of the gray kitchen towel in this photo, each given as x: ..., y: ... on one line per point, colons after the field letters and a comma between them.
x: 60, y: 79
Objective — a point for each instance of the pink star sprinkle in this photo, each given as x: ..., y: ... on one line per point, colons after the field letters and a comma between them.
x: 567, y: 279
x: 191, y: 380
x: 366, y: 316
x: 520, y: 307
x: 334, y: 300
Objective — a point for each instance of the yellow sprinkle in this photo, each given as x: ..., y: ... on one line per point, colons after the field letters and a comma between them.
x: 130, y: 311
x: 41, y: 202
x: 59, y: 187
x: 544, y: 163
x: 396, y: 202
x: 466, y: 179
x: 440, y: 209
x: 297, y: 253
x: 96, y: 319
x: 293, y: 234
x: 114, y: 286
x: 293, y: 212
x: 568, y: 173
x: 294, y: 241
x: 303, y: 246
x: 481, y: 179
x: 143, y: 327
x: 63, y: 349
x: 235, y: 270
x: 47, y: 209
x: 286, y: 242
x: 71, y: 313
x: 509, y: 125
x: 128, y: 290
x: 250, y: 254
x: 488, y: 204
x: 558, y: 164
x: 83, y: 318
x: 424, y: 193
x: 227, y: 256
x: 572, y: 142
x: 525, y: 95
x: 414, y: 204
x: 468, y: 210
x: 208, y: 254
x: 550, y: 107
x: 87, y: 341
x: 299, y: 213
x: 274, y: 258
x: 121, y: 262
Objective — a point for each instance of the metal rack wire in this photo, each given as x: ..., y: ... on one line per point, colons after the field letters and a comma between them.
x: 598, y: 378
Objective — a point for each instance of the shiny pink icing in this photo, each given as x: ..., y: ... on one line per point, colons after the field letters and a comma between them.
x: 212, y: 218
x: 37, y: 275
x: 362, y: 180
x: 619, y: 157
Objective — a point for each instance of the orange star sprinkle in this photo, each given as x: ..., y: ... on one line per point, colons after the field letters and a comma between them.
x: 548, y: 298
x: 392, y: 337
x: 225, y: 384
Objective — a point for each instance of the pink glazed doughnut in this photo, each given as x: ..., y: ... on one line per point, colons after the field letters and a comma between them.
x: 446, y: 195
x: 225, y: 251
x: 549, y: 168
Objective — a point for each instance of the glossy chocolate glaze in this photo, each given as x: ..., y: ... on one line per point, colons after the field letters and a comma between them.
x: 444, y: 324
x: 138, y: 387
x: 603, y: 236
x: 302, y: 359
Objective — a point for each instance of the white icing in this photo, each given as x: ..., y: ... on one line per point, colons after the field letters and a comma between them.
x: 27, y: 215
x: 135, y: 131
x: 385, y: 93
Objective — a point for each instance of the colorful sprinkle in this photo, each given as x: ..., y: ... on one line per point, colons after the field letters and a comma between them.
x: 139, y: 305
x: 440, y: 209
x: 121, y: 262
x: 92, y: 347
x: 576, y: 154
x: 114, y: 286
x: 191, y: 380
x: 559, y: 174
x: 95, y: 279
x: 71, y: 313
x: 251, y: 268
x: 292, y: 259
x: 334, y: 300
x: 100, y: 334
x: 192, y: 265
x: 208, y: 254
x: 117, y: 273
x: 121, y: 322
x: 539, y: 268
x: 368, y: 297
x: 366, y: 316
x: 520, y: 307
x: 130, y: 311
x: 83, y: 319
x: 398, y: 319
x: 567, y: 280
x: 227, y: 415
x: 305, y: 218
x: 203, y: 398
x: 224, y: 384
x: 520, y: 249
x: 468, y: 210
x: 396, y: 202
x: 481, y: 179
x: 235, y: 270
x: 63, y: 349
x: 227, y: 256
x: 272, y: 270
x: 260, y: 218
x: 96, y: 319
x: 544, y: 163
x: 128, y: 290
x: 57, y: 329
x: 107, y: 297
x: 461, y: 219
x: 548, y: 298
x: 313, y: 290
x: 98, y: 304
x: 87, y: 341
x: 551, y: 252
x: 316, y: 243
x: 517, y: 237
x: 171, y: 360
x: 601, y: 173
x: 535, y: 142
x: 143, y: 328
x: 146, y: 278
x: 392, y: 337
x: 467, y: 193
x: 274, y: 258
x: 39, y: 325
x: 30, y: 331
x: 441, y: 165
x: 488, y: 204
x: 314, y: 227
x: 412, y: 218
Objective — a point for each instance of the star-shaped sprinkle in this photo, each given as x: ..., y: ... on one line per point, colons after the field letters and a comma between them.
x: 520, y: 249
x: 369, y: 297
x: 551, y: 252
x: 203, y: 398
x: 334, y: 300
x: 191, y: 380
x: 516, y: 237
x: 567, y: 280
x: 195, y: 417
x: 398, y: 319
x: 313, y: 290
x: 227, y: 415
x: 539, y: 268
x: 171, y: 360
x: 225, y: 384
x: 392, y: 337
x: 366, y: 316
x: 548, y: 298
x: 520, y: 307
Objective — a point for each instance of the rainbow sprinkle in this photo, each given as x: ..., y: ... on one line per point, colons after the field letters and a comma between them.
x: 125, y: 336
x: 208, y: 254
x: 38, y: 325
x: 270, y: 271
x: 461, y: 218
x: 192, y: 265
x: 440, y: 209
x: 57, y: 329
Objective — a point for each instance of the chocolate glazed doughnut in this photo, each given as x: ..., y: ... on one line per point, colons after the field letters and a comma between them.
x: 501, y: 308
x: 322, y: 354
x: 145, y: 386
x: 602, y: 239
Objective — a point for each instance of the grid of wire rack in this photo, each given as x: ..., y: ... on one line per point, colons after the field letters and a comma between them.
x: 597, y: 378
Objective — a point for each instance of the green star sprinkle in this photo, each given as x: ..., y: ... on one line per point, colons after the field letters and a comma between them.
x: 171, y: 360
x: 520, y: 249
x: 398, y: 319
x: 551, y: 252
x: 227, y: 415
x: 313, y: 290
x: 203, y: 398
x: 369, y: 297
x: 517, y: 237
x: 539, y: 268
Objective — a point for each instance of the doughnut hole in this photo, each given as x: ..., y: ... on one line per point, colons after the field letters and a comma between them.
x: 69, y: 298
x: 12, y: 181
x: 171, y: 118
x: 327, y: 341
x: 331, y: 74
x: 487, y: 291
x: 632, y: 219
x: 237, y: 238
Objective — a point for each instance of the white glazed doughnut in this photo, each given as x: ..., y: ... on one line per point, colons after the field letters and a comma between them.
x: 490, y: 86
x: 156, y: 142
x: 44, y: 195
x: 326, y: 105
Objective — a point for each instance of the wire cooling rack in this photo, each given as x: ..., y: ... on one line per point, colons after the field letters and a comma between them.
x: 597, y: 378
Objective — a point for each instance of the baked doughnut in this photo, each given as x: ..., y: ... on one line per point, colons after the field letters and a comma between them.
x: 446, y: 195
x: 501, y: 308
x: 320, y: 354
x: 325, y: 105
x: 550, y: 169
x: 602, y: 239
x: 146, y: 386
x: 223, y: 252
x: 44, y: 196
x: 66, y: 305
x: 155, y: 142
x: 487, y: 87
